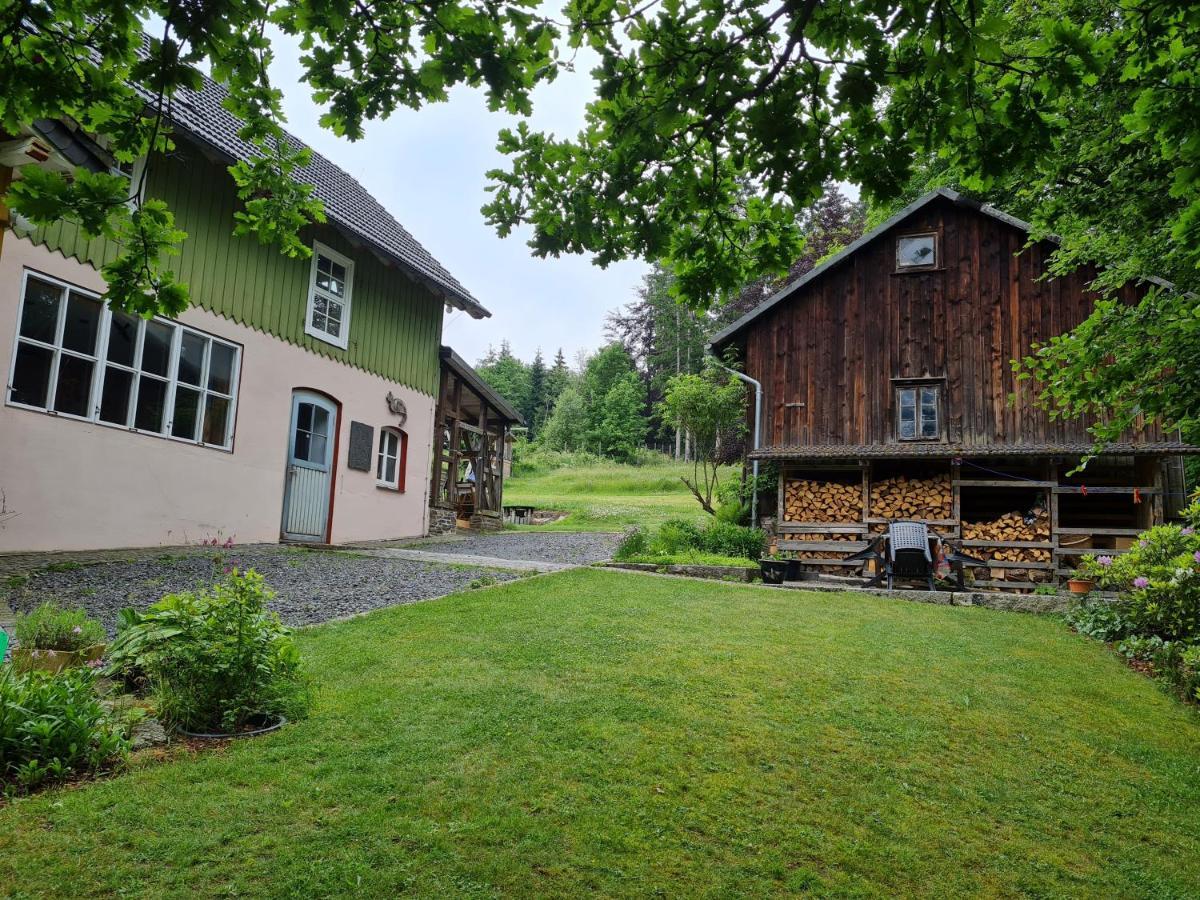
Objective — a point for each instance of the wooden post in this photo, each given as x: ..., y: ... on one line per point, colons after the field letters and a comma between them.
x: 481, y: 461
x: 866, y: 489
x: 956, y: 497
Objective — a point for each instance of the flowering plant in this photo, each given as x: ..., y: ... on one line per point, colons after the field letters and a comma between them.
x: 1158, y: 580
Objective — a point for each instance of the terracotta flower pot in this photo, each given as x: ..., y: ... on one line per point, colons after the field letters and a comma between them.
x: 1081, y: 585
x: 31, y: 659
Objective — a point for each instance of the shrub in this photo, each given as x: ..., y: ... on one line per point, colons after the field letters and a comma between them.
x: 216, y: 659
x: 54, y: 726
x: 726, y: 539
x: 1159, y: 582
x: 49, y: 627
x: 1189, y: 672
x: 634, y: 543
x: 675, y: 536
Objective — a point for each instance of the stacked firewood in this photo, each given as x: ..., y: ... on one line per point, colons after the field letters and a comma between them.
x: 911, y: 498
x: 824, y: 554
x: 807, y: 500
x: 1012, y: 526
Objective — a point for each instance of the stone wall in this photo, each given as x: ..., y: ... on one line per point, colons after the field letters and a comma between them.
x: 442, y: 520
x: 487, y: 521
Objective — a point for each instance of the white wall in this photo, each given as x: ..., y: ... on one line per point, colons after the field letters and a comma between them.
x: 73, y: 485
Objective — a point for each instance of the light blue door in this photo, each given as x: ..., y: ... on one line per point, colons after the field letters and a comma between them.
x: 310, y: 468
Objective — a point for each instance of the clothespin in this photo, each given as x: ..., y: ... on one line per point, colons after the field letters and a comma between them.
x: 1083, y: 489
x: 1137, y: 496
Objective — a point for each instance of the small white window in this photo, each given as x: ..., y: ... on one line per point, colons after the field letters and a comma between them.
x: 919, y: 412
x: 329, y: 293
x: 393, y: 450
x: 76, y: 357
x: 916, y: 251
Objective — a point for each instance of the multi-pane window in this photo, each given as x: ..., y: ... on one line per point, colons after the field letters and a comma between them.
x: 329, y: 296
x: 916, y: 251
x: 919, y: 415
x: 389, y: 468
x: 76, y: 357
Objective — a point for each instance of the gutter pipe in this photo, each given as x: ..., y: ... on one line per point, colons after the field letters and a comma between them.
x: 757, y: 430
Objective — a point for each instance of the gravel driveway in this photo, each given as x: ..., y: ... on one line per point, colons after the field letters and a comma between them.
x: 575, y: 548
x: 311, y: 586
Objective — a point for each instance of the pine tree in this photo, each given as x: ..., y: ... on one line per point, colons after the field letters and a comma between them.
x: 538, y: 409
x: 557, y: 379
x: 507, y: 375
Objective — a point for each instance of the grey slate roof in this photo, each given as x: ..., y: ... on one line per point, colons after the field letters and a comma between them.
x: 347, y: 203
x: 725, y: 334
x: 951, y: 451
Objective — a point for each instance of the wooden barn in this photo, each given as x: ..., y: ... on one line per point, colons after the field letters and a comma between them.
x: 887, y: 380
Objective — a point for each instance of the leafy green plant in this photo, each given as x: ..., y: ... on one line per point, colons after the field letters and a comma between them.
x: 54, y: 726
x: 1099, y: 619
x: 50, y: 627
x: 216, y: 659
x: 1046, y: 590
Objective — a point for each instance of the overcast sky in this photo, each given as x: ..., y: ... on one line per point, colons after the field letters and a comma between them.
x: 427, y: 167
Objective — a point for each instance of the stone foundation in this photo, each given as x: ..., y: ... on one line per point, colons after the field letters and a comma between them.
x: 441, y: 520
x: 487, y: 521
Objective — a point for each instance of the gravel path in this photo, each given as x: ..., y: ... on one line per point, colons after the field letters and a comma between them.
x: 311, y: 586
x: 575, y: 548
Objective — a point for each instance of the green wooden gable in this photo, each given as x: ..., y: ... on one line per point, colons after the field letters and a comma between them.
x: 395, y: 324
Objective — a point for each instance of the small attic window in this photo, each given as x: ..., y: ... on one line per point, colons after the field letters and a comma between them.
x: 916, y: 251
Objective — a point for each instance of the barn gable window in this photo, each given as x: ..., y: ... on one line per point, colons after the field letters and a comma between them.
x: 919, y: 412
x: 916, y: 251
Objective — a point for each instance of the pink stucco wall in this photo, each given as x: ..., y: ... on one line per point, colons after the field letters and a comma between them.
x: 77, y: 486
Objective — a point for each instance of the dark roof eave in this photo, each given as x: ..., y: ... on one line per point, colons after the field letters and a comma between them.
x: 950, y: 451
x: 460, y: 367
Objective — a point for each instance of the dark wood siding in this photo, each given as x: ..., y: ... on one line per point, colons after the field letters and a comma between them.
x: 827, y: 356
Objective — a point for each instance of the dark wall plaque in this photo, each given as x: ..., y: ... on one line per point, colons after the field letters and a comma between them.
x: 362, y: 441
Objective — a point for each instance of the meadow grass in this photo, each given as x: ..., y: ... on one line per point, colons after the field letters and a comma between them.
x: 617, y: 734
x: 610, y: 496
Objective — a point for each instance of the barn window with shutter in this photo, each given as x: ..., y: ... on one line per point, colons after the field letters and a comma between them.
x: 919, y: 412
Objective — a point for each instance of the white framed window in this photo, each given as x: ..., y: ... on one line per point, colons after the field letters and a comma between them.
x: 75, y: 357
x: 918, y: 415
x: 916, y: 251
x: 391, y: 459
x: 330, y: 287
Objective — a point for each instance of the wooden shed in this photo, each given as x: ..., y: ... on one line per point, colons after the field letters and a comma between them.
x: 471, y: 424
x: 888, y: 393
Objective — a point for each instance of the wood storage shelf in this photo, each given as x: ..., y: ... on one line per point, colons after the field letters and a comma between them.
x: 905, y: 498
x: 810, y: 500
x: 1011, y: 539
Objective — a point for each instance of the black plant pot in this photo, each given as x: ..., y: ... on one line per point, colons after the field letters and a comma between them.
x: 262, y: 725
x: 775, y: 571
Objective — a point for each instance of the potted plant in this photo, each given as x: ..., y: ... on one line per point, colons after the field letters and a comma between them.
x: 1080, y: 583
x: 51, y: 639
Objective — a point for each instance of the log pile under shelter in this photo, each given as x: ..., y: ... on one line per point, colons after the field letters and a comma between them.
x: 1008, y: 528
x: 905, y: 497
x: 808, y: 500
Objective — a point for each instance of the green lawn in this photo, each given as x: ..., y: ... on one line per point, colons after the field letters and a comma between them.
x: 599, y: 732
x: 609, y: 496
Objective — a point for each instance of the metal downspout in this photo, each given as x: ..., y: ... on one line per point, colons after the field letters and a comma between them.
x: 757, y: 432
